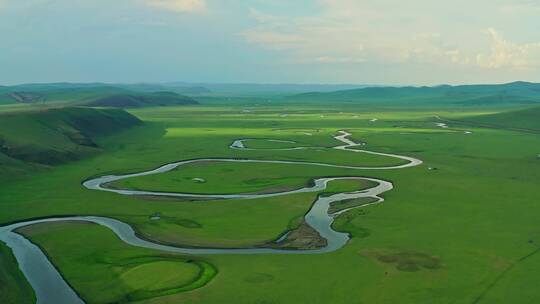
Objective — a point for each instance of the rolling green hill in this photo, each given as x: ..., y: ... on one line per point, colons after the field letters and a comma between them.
x: 526, y: 119
x: 142, y: 100
x: 56, y: 94
x: 34, y: 139
x: 515, y: 93
x: 81, y: 93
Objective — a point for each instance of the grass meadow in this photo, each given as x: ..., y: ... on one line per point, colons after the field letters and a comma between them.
x: 466, y: 232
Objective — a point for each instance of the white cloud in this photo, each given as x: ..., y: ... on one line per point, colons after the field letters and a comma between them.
x: 458, y: 57
x: 310, y: 39
x: 331, y: 59
x: 347, y: 31
x: 275, y: 40
x: 509, y: 54
x: 178, y: 5
x: 521, y: 7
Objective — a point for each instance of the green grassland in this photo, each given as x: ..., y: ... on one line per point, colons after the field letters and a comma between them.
x: 271, y: 144
x: 113, y: 271
x: 350, y: 203
x: 220, y: 178
x: 214, y: 177
x: 13, y: 286
x: 465, y: 233
x: 343, y: 186
x: 525, y: 119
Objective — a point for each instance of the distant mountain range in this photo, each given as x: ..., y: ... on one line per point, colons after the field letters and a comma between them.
x: 496, y: 94
x: 144, y: 94
x: 270, y: 88
x: 186, y: 88
x: 137, y: 87
x: 142, y: 100
x: 97, y: 94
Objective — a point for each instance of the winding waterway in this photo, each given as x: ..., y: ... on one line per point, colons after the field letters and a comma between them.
x: 50, y: 287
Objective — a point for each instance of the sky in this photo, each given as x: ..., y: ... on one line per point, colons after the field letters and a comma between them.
x: 393, y: 42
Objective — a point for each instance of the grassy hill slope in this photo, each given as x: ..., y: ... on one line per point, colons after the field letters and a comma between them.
x: 504, y: 94
x: 526, y: 119
x: 11, y: 278
x: 56, y: 93
x: 49, y: 137
x: 90, y: 92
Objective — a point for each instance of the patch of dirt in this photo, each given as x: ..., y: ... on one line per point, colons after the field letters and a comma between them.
x: 26, y: 97
x: 304, y: 237
x: 186, y: 223
x: 410, y: 261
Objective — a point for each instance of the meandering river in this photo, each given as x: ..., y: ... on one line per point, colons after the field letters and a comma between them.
x: 50, y: 287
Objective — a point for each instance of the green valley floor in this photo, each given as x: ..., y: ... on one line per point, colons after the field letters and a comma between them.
x: 460, y: 228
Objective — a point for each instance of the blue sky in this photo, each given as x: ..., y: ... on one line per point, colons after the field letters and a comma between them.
x: 322, y: 41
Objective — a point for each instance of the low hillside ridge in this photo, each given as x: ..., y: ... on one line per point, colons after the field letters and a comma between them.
x: 515, y: 93
x: 524, y: 119
x: 134, y: 95
x: 55, y: 136
x: 142, y: 100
